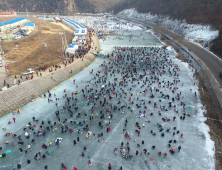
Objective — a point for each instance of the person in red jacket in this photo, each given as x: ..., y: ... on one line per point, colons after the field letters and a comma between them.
x: 75, y: 168
x: 109, y: 166
x: 138, y: 133
x: 13, y: 119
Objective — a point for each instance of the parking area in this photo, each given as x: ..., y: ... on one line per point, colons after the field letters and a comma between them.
x: 15, y: 28
x: 15, y: 33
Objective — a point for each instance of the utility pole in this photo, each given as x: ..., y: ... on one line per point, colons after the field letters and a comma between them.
x: 44, y: 12
x: 73, y: 9
x: 5, y: 64
x: 64, y: 42
x: 26, y: 12
x: 68, y: 7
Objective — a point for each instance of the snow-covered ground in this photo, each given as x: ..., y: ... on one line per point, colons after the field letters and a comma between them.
x: 103, y: 24
x: 193, y: 32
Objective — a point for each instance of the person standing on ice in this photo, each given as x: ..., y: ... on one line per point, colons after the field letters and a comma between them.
x: 90, y: 163
x: 19, y: 166
x: 109, y: 167
x: 13, y: 119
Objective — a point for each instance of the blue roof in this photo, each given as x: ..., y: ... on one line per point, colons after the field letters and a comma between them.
x: 12, y: 21
x: 71, y: 22
x: 72, y: 45
x: 29, y: 24
x: 76, y: 24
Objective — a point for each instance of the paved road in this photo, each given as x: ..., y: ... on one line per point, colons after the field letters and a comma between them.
x: 213, y: 63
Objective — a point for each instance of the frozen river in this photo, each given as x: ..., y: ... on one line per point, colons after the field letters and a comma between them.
x: 196, y: 147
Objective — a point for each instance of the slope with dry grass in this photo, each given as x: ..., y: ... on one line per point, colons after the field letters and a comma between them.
x: 30, y: 52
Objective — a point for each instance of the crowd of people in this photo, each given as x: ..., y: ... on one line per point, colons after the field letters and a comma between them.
x: 130, y: 81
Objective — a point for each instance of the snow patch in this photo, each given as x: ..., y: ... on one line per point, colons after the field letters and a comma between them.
x: 193, y: 32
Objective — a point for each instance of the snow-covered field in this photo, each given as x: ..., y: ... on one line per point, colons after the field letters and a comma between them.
x: 103, y: 24
x: 193, y: 32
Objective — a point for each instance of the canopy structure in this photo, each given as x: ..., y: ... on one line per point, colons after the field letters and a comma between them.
x: 72, y: 48
x: 30, y: 24
x: 79, y: 29
x: 12, y: 23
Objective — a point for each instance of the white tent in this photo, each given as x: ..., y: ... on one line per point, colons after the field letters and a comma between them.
x: 72, y: 48
x: 81, y: 32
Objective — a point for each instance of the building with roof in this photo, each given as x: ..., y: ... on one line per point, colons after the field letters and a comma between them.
x: 12, y: 23
x: 29, y: 24
x: 72, y: 48
x: 79, y: 29
x: 8, y: 14
x: 29, y: 27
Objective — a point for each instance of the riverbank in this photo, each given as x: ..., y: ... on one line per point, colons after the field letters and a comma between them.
x: 212, y: 107
x: 208, y: 89
x: 19, y: 95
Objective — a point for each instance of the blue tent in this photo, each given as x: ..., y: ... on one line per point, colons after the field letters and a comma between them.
x: 32, y: 24
x: 72, y: 45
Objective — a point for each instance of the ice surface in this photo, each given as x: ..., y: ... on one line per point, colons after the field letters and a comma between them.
x: 196, y: 152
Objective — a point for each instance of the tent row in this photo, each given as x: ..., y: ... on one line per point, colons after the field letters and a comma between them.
x: 72, y: 48
x: 79, y: 29
x: 29, y: 24
x: 13, y: 23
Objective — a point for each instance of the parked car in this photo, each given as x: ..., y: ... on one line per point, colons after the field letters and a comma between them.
x: 1, y: 65
x: 17, y: 37
x: 24, y: 34
x: 29, y: 71
x: 18, y: 26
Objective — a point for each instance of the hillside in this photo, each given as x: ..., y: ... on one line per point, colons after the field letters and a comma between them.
x: 57, y: 6
x: 194, y: 11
